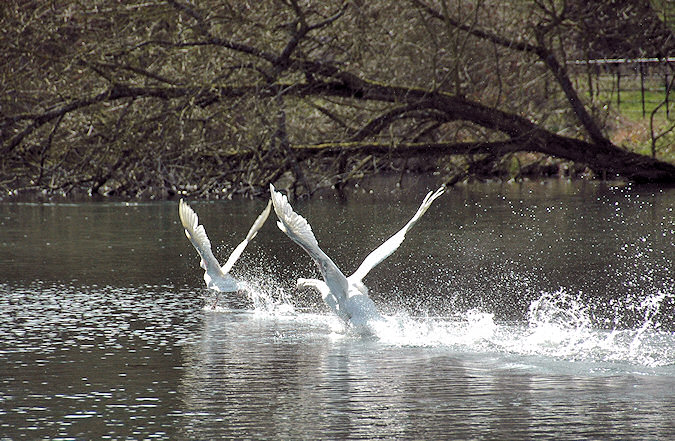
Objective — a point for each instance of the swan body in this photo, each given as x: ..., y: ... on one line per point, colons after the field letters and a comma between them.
x: 347, y: 297
x: 216, y: 277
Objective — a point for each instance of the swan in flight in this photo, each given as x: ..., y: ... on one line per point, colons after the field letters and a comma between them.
x: 216, y: 277
x: 346, y: 296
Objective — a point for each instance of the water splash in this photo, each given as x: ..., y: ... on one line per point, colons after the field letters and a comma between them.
x: 558, y: 326
x: 635, y: 328
x: 256, y: 298
x: 262, y: 294
x: 269, y: 300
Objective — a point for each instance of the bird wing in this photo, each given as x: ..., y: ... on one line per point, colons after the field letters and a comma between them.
x: 387, y: 248
x: 197, y: 235
x: 259, y: 222
x: 297, y: 228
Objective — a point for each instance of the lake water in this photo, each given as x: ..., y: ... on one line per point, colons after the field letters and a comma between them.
x: 513, y: 311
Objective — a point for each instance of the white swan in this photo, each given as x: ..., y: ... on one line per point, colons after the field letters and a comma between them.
x: 216, y: 277
x: 346, y: 296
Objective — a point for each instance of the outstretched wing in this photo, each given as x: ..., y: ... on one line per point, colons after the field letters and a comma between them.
x: 197, y: 235
x: 259, y: 222
x: 297, y: 228
x: 386, y: 249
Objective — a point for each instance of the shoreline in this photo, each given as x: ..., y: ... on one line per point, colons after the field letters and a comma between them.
x: 366, y: 184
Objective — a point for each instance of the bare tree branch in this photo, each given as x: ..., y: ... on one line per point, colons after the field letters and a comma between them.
x: 544, y: 54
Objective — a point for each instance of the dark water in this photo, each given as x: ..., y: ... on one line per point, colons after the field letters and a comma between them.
x: 533, y: 310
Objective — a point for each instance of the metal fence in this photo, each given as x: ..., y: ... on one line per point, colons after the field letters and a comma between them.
x: 648, y: 76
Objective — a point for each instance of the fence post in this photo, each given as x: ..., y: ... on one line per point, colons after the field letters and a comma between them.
x: 618, y: 87
x: 667, y: 84
x: 642, y: 88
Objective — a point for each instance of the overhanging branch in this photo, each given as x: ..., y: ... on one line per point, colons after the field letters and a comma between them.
x: 409, y: 149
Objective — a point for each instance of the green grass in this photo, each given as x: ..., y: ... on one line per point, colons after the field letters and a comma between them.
x: 630, y: 98
x: 630, y: 126
x: 631, y: 104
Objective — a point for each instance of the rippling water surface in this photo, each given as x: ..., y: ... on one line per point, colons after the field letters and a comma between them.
x: 512, y: 311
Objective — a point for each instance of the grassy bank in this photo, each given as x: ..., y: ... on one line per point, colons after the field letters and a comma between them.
x: 641, y: 122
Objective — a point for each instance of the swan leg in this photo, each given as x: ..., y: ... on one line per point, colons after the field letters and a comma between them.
x: 215, y: 300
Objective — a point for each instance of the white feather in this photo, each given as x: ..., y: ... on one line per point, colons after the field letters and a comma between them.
x: 346, y: 296
x: 215, y: 276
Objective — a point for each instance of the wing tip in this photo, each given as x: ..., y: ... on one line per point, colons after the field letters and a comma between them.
x: 290, y: 222
x: 259, y: 222
x: 187, y: 215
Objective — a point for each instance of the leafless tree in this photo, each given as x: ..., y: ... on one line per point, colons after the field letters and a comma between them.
x: 147, y: 99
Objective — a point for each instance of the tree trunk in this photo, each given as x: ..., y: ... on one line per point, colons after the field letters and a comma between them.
x: 604, y: 158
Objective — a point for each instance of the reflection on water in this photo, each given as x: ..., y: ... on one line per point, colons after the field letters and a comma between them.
x: 86, y: 362
x: 517, y: 311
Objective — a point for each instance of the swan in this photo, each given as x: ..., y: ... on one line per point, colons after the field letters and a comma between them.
x: 347, y: 297
x: 216, y: 277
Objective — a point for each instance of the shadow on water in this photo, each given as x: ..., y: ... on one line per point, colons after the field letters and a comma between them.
x: 512, y: 311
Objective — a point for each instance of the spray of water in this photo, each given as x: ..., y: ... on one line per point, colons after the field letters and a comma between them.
x: 559, y: 325
x: 635, y: 328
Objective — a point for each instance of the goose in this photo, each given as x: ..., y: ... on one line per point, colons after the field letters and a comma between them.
x: 216, y: 277
x: 347, y: 297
